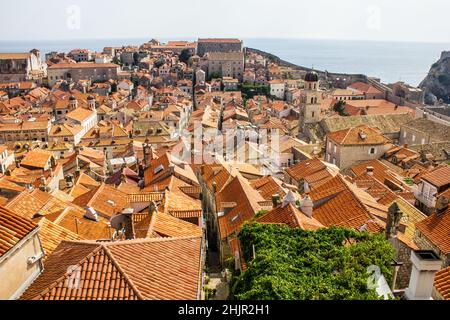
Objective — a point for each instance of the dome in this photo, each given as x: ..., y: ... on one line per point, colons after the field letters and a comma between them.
x: 90, y: 98
x: 72, y: 98
x: 312, y: 76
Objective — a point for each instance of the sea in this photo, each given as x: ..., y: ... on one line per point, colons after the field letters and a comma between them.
x: 389, y: 61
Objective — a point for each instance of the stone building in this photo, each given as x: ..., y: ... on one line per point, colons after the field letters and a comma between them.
x: 311, y: 99
x: 25, y: 130
x: 80, y: 55
x: 348, y: 147
x: 82, y: 71
x: 433, y: 233
x: 227, y: 64
x: 16, y: 67
x: 21, y: 254
x: 218, y: 45
x: 423, y: 131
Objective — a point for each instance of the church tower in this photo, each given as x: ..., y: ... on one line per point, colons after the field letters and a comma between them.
x: 311, y: 98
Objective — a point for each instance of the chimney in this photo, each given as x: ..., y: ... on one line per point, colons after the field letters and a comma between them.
x: 289, y: 198
x: 152, y: 208
x: 441, y: 204
x: 171, y: 168
x: 370, y: 170
x: 306, y: 206
x: 91, y: 214
x: 275, y: 200
x: 128, y: 223
x: 148, y: 153
x: 214, y: 186
x: 393, y: 221
x: 425, y: 264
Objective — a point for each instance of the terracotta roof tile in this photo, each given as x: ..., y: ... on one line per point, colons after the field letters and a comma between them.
x: 247, y: 202
x: 439, y: 177
x: 291, y: 216
x: 267, y: 187
x: 165, y: 225
x: 436, y: 228
x: 442, y: 283
x: 380, y: 169
x: 151, y: 269
x: 37, y: 158
x: 305, y: 168
x: 13, y: 228
x: 51, y: 235
x: 360, y: 135
x: 336, y: 203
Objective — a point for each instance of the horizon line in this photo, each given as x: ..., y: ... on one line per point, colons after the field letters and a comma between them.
x: 241, y: 38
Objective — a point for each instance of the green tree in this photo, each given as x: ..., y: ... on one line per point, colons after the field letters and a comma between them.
x: 294, y: 264
x: 339, y: 108
x: 185, y: 55
x: 215, y: 75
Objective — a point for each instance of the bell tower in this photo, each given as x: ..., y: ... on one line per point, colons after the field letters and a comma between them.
x: 311, y: 98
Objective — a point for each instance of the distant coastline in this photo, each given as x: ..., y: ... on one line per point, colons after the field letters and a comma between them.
x: 391, y: 62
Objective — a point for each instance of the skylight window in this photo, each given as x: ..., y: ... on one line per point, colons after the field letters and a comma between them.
x: 158, y: 169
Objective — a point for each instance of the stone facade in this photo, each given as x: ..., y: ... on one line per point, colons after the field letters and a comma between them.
x: 425, y: 244
x: 218, y: 45
x: 82, y: 71
x: 16, y: 67
x: 345, y: 156
x: 404, y: 257
x: 226, y: 64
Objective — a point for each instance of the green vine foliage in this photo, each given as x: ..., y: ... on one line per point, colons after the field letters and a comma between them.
x: 294, y: 264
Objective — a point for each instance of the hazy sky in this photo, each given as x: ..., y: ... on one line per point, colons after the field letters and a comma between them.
x: 405, y: 20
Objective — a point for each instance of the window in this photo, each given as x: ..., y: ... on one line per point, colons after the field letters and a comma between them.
x: 158, y: 169
x: 404, y: 134
x: 413, y: 138
x: 372, y: 150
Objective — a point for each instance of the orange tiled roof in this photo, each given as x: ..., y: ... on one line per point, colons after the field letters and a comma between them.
x: 375, y: 188
x: 364, y: 88
x: 36, y: 158
x: 380, y: 169
x: 176, y: 201
x: 335, y: 203
x: 26, y: 204
x: 305, y: 168
x: 360, y: 135
x: 105, y: 199
x: 83, y: 65
x: 51, y: 235
x: 145, y: 197
x: 290, y: 216
x: 442, y: 283
x: 150, y: 269
x: 13, y: 228
x: 439, y: 177
x: 165, y: 225
x: 73, y: 219
x: 247, y: 202
x: 79, y: 114
x: 436, y: 228
x: 6, y: 184
x: 267, y: 187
